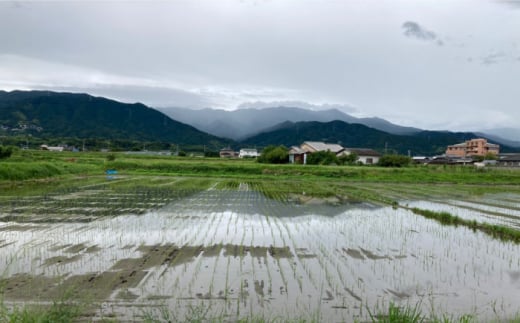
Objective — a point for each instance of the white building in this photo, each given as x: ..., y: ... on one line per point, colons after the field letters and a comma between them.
x: 50, y: 148
x: 248, y: 153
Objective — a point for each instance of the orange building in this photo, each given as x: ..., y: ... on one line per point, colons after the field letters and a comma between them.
x: 473, y: 147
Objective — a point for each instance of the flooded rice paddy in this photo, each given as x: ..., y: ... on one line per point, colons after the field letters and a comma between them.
x: 232, y: 252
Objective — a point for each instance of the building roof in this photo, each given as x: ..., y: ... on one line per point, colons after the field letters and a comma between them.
x: 363, y: 152
x: 321, y: 146
x: 226, y: 149
x: 509, y: 158
x: 295, y: 150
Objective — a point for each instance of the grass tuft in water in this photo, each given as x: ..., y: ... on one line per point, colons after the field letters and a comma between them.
x: 496, y: 231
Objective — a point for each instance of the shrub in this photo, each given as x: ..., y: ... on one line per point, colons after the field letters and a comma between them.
x: 5, y: 152
x: 349, y: 159
x: 322, y: 158
x: 111, y: 157
x: 274, y: 155
x: 394, y: 161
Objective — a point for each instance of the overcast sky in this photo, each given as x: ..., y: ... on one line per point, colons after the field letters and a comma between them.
x: 434, y: 64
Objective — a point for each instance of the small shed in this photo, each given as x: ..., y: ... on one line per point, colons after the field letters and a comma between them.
x: 297, y: 155
x: 227, y: 153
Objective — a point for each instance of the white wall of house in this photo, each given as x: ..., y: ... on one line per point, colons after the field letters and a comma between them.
x: 368, y: 160
x: 248, y: 153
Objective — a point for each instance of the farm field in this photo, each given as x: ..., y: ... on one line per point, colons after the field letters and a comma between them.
x: 319, y: 249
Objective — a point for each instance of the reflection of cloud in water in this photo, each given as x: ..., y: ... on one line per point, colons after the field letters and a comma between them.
x: 252, y: 202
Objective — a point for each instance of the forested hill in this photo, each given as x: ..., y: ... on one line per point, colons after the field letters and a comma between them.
x: 358, y: 135
x: 52, y: 114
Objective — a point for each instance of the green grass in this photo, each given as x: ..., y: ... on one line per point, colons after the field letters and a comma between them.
x: 414, y: 314
x: 496, y: 231
x: 40, y: 164
x: 58, y: 312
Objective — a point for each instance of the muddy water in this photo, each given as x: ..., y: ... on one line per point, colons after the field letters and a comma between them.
x: 236, y: 253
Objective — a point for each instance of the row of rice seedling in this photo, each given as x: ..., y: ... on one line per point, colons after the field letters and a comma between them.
x: 237, y: 253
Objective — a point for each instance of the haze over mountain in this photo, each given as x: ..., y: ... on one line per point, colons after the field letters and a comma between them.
x: 45, y: 113
x: 242, y: 123
x: 48, y: 114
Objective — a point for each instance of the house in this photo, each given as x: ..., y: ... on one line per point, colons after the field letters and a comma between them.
x: 315, y: 146
x: 227, y: 153
x: 509, y: 160
x: 298, y: 155
x: 365, y: 155
x: 248, y: 153
x: 473, y: 147
x: 50, y: 148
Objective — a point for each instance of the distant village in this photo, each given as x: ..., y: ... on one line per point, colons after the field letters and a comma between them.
x: 476, y: 151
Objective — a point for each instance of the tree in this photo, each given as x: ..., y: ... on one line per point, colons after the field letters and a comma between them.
x: 394, y: 161
x: 274, y: 155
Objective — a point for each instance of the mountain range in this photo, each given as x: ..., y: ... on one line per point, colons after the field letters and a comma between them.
x: 243, y: 123
x: 68, y: 115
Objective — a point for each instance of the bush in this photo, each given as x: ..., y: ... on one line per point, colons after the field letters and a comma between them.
x: 394, y: 161
x: 5, y: 152
x: 322, y: 158
x: 349, y: 159
x: 111, y: 157
x: 274, y: 155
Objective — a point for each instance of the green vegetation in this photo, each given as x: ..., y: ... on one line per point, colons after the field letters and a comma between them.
x: 322, y: 158
x: 33, y: 164
x: 50, y: 115
x: 394, y: 161
x: 58, y: 312
x: 5, y: 152
x: 274, y: 155
x: 35, y: 184
x: 496, y: 231
x: 413, y: 314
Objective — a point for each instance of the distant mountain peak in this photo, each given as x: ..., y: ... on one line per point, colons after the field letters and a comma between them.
x: 245, y: 122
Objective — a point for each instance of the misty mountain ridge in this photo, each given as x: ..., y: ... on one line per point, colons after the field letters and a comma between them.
x: 357, y: 135
x: 56, y: 114
x: 246, y: 122
x: 49, y: 114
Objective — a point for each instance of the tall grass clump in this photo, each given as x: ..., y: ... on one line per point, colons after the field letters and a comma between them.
x: 58, y: 312
x: 413, y: 314
x: 496, y: 231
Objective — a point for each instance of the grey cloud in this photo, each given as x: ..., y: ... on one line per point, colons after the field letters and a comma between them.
x: 514, y: 4
x: 493, y: 58
x: 297, y: 104
x: 151, y: 96
x: 414, y: 30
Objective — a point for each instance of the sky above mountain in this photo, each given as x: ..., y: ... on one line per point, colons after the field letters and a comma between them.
x: 433, y: 64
